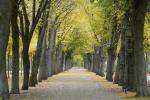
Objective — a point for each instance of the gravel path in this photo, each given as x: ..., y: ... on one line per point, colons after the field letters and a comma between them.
x: 75, y: 84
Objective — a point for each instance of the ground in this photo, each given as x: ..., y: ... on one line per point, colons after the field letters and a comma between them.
x: 75, y: 84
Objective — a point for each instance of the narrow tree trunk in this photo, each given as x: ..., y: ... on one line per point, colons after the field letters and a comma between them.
x: 25, y: 52
x: 92, y: 62
x: 55, y: 61
x: 60, y: 58
x: 36, y: 58
x: 95, y: 61
x: 102, y: 61
x: 26, y: 66
x: 15, y: 49
x: 5, y: 16
x: 89, y: 61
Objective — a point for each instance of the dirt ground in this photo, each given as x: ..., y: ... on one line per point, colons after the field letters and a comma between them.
x: 75, y: 84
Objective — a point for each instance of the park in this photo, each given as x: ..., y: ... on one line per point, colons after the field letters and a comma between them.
x: 74, y: 50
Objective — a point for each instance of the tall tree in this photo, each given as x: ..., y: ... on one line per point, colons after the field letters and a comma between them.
x: 112, y: 50
x: 27, y: 36
x: 139, y: 11
x: 15, y: 48
x: 42, y: 31
x: 5, y: 17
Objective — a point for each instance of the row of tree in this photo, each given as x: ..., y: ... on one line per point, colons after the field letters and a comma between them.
x: 99, y: 30
x: 20, y: 18
x: 124, y: 21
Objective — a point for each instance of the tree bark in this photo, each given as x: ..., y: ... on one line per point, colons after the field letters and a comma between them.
x: 25, y: 39
x: 60, y: 58
x: 129, y: 73
x: 15, y: 49
x: 5, y: 17
x: 102, y: 61
x: 27, y: 36
x: 43, y: 75
x: 87, y: 61
x: 36, y: 59
x: 51, y: 49
x: 116, y: 78
x: 26, y: 66
x: 112, y: 51
x: 138, y: 31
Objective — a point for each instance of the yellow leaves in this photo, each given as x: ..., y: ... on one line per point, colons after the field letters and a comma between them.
x: 147, y: 37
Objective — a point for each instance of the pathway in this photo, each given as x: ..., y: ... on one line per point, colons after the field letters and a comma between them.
x: 75, y: 84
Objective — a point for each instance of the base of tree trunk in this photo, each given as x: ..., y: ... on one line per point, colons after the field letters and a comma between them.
x: 144, y: 92
x: 25, y: 88
x: 32, y: 82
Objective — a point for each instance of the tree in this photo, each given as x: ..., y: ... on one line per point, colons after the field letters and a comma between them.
x: 112, y: 50
x: 15, y: 48
x: 5, y: 17
x: 139, y: 11
x: 27, y: 34
x: 37, y: 58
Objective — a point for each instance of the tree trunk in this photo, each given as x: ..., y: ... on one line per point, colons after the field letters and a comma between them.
x: 112, y: 51
x: 68, y: 61
x: 87, y: 61
x: 26, y: 66
x: 129, y: 73
x: 102, y: 61
x: 52, y: 35
x: 95, y: 62
x: 26, y: 43
x: 36, y: 59
x: 27, y: 36
x: 123, y: 73
x: 43, y: 75
x: 15, y: 49
x: 43, y: 70
x: 5, y: 16
x: 55, y: 61
x: 60, y: 58
x: 138, y: 31
x: 92, y: 62
x: 116, y: 78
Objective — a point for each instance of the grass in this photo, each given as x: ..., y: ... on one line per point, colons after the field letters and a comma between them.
x: 131, y: 96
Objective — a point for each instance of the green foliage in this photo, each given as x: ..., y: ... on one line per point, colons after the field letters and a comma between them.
x: 83, y: 25
x: 147, y: 34
x: 78, y: 60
